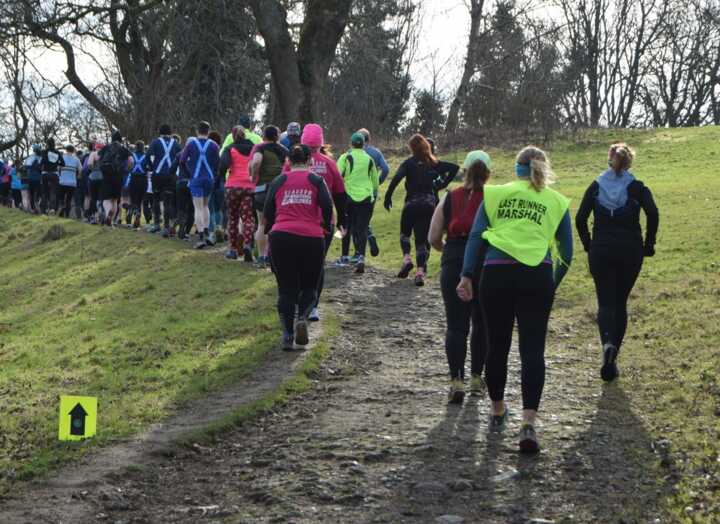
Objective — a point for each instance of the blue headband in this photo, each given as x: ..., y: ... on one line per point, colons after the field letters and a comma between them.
x: 522, y: 170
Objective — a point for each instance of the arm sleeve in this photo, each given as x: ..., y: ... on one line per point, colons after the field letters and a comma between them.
x: 565, y: 247
x: 476, y: 243
x: 653, y: 217
x: 340, y: 200
x: 583, y: 214
x: 447, y: 172
x: 383, y: 167
x: 401, y: 173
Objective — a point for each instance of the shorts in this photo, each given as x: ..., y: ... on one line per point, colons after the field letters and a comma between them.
x: 200, y: 187
x: 111, y: 187
x: 259, y: 199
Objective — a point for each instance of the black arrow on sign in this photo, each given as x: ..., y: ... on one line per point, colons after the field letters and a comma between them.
x: 77, y: 420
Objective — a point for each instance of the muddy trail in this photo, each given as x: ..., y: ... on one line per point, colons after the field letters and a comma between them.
x: 374, y: 441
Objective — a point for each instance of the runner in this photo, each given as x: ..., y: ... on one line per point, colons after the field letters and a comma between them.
x: 240, y: 191
x: 324, y: 166
x: 384, y: 171
x: 616, y: 248
x: 454, y: 216
x: 115, y: 161
x: 68, y: 180
x: 51, y: 161
x: 137, y: 184
x: 5, y: 184
x: 420, y: 172
x: 291, y: 136
x: 297, y: 215
x: 244, y: 122
x: 520, y: 221
x: 33, y: 169
x: 361, y: 185
x: 22, y: 176
x: 185, y: 215
x: 201, y: 156
x: 217, y: 201
x: 16, y: 185
x: 267, y: 163
x: 92, y: 166
x: 162, y: 153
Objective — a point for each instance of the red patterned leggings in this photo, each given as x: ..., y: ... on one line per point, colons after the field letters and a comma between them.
x: 240, y: 207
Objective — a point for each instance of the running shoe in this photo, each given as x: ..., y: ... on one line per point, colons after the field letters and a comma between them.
x: 374, y: 248
x: 136, y: 223
x: 201, y: 243
x: 211, y: 238
x: 231, y: 254
x: 301, y: 333
x: 209, y: 242
x: 314, y: 316
x: 166, y: 233
x: 609, y: 370
x: 354, y: 259
x: 477, y: 385
x: 528, y: 439
x: 420, y: 279
x: 360, y: 266
x: 497, y: 423
x: 405, y: 269
x: 287, y: 342
x: 155, y: 228
x: 456, y: 395
x: 262, y: 261
x: 247, y: 255
x: 342, y: 262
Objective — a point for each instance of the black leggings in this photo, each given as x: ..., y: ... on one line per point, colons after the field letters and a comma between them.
x: 50, y: 182
x: 415, y: 218
x: 163, y: 191
x: 614, y: 272
x: 94, y: 190
x: 509, y: 292
x: 460, y: 315
x: 185, y: 208
x: 297, y: 262
x: 65, y: 200
x: 138, y: 188
x: 35, y: 188
x: 359, y: 215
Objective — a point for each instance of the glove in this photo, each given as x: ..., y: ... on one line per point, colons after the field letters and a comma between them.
x: 649, y: 250
x: 388, y: 204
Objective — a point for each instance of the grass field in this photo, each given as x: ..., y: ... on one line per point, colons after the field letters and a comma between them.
x: 145, y: 324
x: 140, y: 323
x: 671, y: 359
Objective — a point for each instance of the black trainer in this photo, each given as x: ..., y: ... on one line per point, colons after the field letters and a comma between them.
x: 374, y: 248
x: 497, y: 423
x: 405, y: 270
x: 609, y: 370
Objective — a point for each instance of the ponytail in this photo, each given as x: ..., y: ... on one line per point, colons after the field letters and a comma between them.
x: 541, y: 173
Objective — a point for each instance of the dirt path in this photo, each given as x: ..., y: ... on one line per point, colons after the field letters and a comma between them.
x: 375, y: 441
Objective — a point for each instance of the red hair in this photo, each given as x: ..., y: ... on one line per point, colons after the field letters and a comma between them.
x: 421, y: 149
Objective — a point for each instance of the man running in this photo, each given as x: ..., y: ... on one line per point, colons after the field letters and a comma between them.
x: 70, y: 171
x: 291, y: 136
x: 33, y: 169
x: 201, y: 157
x: 51, y: 162
x: 361, y: 185
x: 161, y: 156
x: 115, y: 162
x: 137, y: 184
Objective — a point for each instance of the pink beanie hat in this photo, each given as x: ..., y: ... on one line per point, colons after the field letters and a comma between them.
x: 312, y: 136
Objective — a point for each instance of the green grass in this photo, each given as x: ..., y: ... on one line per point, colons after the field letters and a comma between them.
x: 141, y: 324
x: 671, y: 358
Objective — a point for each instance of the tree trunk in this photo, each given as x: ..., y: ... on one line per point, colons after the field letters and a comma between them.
x: 453, y: 120
x: 299, y: 77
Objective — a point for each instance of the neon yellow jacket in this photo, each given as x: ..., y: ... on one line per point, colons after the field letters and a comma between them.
x: 360, y: 174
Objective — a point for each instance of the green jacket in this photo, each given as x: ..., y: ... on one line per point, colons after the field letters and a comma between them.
x: 361, y: 175
x: 253, y: 137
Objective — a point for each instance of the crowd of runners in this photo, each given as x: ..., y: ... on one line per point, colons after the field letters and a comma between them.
x: 281, y: 198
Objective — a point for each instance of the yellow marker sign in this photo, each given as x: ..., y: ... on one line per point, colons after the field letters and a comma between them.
x: 78, y: 417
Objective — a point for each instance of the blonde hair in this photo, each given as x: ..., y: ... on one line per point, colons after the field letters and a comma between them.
x: 624, y: 152
x: 541, y: 173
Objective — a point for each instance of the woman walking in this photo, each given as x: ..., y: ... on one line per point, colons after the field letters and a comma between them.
x: 521, y: 221
x: 616, y: 248
x: 420, y: 173
x: 454, y: 217
x: 297, y: 214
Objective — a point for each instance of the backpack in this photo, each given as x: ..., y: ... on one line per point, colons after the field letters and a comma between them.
x: 113, y: 158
